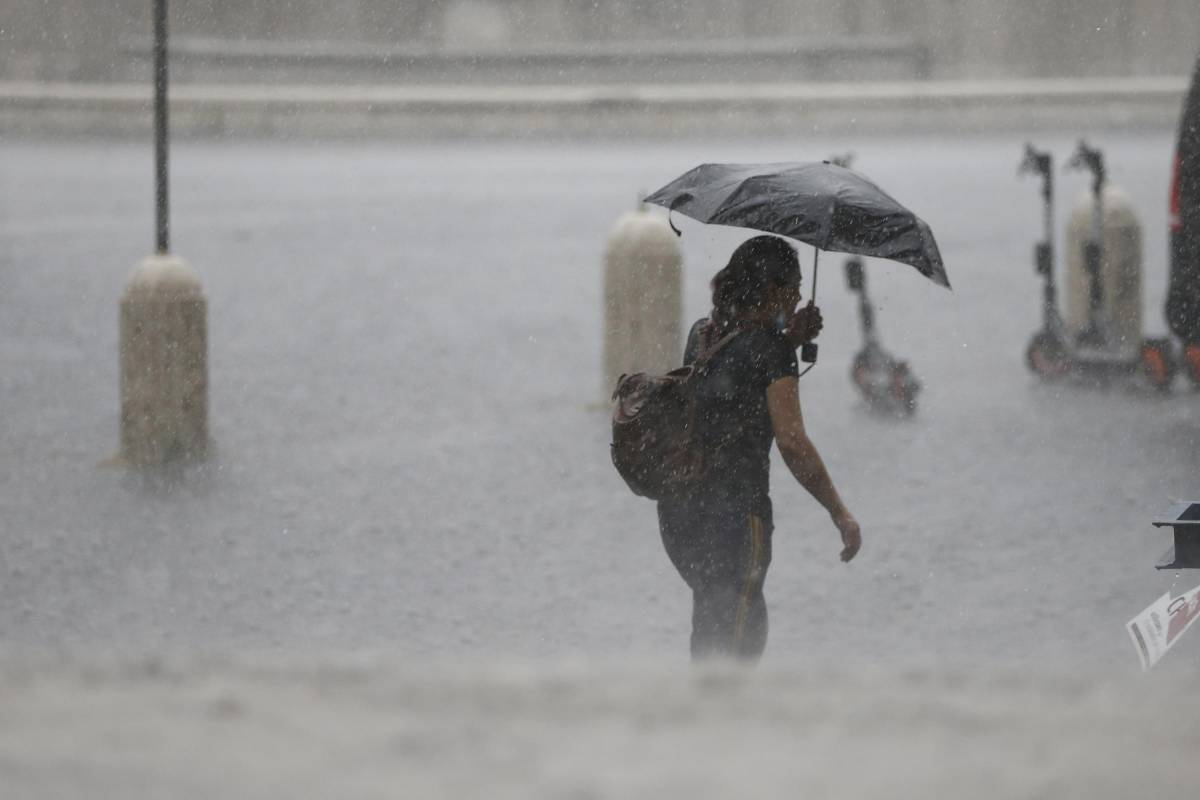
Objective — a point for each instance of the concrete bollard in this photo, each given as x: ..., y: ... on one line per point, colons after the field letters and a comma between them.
x: 164, y: 364
x: 643, y: 297
x: 1120, y: 270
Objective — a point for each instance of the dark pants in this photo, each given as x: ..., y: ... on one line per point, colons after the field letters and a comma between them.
x: 721, y: 546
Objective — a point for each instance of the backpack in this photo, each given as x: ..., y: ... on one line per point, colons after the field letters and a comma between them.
x: 654, y: 443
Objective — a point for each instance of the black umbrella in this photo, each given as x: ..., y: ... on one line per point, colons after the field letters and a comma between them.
x: 825, y: 205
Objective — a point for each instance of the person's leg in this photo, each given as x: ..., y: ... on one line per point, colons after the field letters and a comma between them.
x: 729, y: 611
x: 681, y: 525
x: 753, y: 637
x: 714, y: 614
x: 750, y: 634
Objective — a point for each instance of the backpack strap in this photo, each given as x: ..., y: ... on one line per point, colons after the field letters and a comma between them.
x: 706, y: 354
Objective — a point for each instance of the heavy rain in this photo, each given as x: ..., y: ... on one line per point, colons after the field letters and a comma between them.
x: 307, y: 484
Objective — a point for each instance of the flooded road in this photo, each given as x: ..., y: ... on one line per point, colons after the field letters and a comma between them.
x: 404, y: 367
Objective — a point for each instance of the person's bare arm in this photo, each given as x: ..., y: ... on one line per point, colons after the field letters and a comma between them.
x: 805, y: 463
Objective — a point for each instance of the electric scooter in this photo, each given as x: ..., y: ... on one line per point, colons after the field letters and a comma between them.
x: 885, y: 381
x: 1090, y: 356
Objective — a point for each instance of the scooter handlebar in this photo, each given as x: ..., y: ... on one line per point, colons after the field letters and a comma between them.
x: 1090, y: 159
x: 855, y: 279
x: 1037, y: 162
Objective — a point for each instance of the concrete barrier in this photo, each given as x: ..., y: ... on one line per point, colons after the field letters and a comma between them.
x: 164, y: 364
x: 675, y: 111
x: 643, y: 298
x: 1120, y: 270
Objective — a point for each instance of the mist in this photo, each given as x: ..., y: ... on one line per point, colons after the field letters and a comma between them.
x: 402, y: 561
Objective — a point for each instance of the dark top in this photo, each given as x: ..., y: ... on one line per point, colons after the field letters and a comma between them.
x: 732, y: 417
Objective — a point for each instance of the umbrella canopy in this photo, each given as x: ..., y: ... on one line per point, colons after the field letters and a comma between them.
x: 825, y: 205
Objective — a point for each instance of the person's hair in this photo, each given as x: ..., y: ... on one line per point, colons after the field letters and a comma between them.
x: 755, y: 266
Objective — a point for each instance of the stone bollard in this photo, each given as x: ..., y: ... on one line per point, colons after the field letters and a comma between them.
x: 164, y: 364
x: 643, y: 298
x: 1120, y: 270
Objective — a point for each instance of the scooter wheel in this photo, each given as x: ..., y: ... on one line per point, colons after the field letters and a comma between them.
x: 1157, y: 364
x: 1191, y: 362
x: 1047, y: 357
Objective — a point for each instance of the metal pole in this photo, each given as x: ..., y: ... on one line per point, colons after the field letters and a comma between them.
x: 1048, y: 209
x: 812, y: 300
x: 162, y: 221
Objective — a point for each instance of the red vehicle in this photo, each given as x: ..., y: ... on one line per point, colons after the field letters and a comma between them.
x: 1183, y: 292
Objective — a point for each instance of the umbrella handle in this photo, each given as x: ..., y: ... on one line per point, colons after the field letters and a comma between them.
x: 812, y: 301
x: 808, y: 351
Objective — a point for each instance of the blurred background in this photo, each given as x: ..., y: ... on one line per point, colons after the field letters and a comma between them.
x: 461, y: 68
x: 379, y: 40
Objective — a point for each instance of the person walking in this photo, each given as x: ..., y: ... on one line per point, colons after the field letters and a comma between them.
x: 718, y: 534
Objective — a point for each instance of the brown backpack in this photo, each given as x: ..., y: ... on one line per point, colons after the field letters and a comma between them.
x: 654, y: 442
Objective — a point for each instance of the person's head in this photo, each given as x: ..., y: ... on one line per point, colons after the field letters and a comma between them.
x: 760, y: 282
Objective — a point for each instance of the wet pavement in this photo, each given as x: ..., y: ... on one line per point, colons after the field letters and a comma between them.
x: 405, y: 362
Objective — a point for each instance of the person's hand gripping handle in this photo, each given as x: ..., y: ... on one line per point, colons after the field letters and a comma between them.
x: 804, y: 326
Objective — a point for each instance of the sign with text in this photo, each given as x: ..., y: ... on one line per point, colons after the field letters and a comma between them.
x: 1157, y: 628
